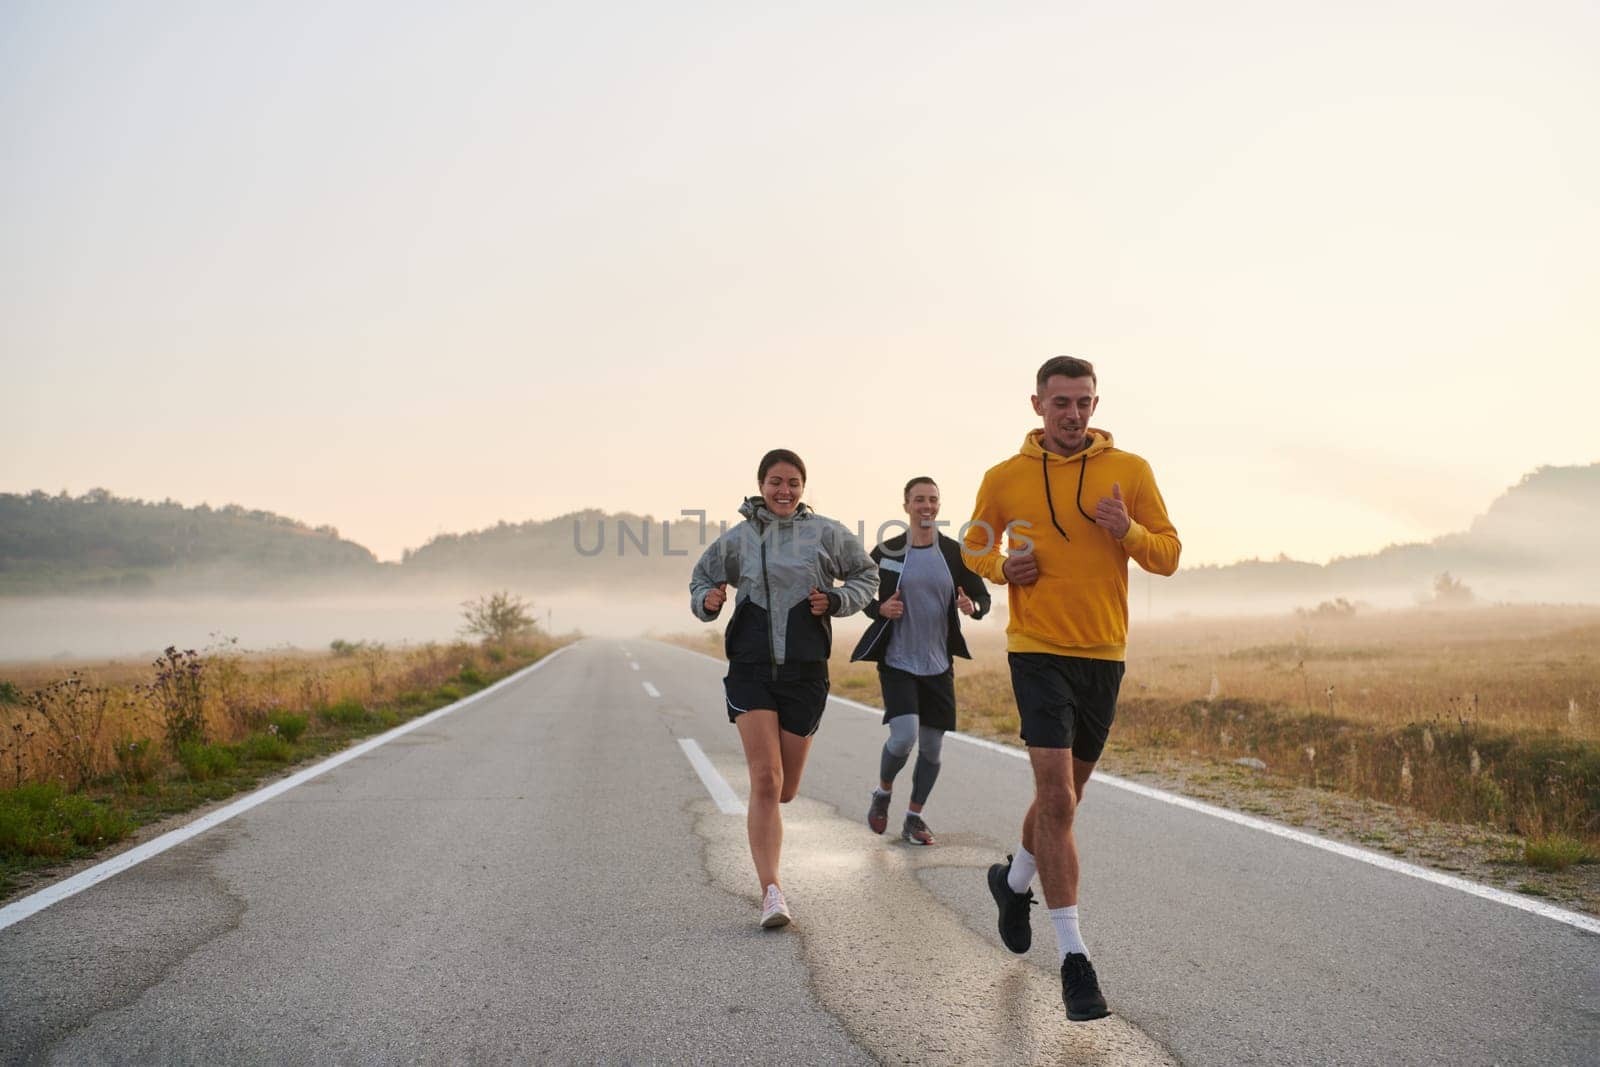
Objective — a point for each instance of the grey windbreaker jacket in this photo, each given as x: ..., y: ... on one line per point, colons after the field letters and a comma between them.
x: 774, y: 563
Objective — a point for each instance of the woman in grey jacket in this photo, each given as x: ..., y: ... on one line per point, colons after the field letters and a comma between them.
x: 783, y: 561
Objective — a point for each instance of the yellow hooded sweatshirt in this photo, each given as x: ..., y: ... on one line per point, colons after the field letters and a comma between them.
x: 1079, y: 605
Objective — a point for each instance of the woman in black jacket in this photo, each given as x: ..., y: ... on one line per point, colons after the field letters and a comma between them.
x: 923, y: 590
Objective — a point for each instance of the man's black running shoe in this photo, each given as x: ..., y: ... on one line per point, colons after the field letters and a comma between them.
x: 1015, y: 930
x: 1080, y: 989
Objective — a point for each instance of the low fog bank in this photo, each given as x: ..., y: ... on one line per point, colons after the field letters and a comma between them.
x: 92, y: 628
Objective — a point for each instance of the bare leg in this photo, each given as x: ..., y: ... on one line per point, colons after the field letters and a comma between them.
x: 758, y: 730
x: 794, y: 750
x: 1080, y: 778
x: 1054, y: 807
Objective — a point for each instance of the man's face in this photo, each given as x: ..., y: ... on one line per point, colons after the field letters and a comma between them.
x: 922, y: 504
x: 1066, y: 405
x: 781, y: 489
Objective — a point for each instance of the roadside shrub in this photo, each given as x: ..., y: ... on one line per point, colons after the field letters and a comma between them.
x: 269, y: 747
x: 1557, y: 852
x: 1485, y: 799
x: 25, y: 818
x: 346, y: 713
x: 134, y: 756
x: 497, y: 617
x: 469, y: 676
x: 180, y: 695
x: 496, y: 655
x: 449, y: 694
x: 9, y: 693
x: 224, y: 663
x: 42, y: 819
x: 289, y: 725
x: 73, y: 713
x: 202, y: 762
x: 89, y: 822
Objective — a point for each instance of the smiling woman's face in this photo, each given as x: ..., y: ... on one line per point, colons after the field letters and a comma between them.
x: 781, y: 488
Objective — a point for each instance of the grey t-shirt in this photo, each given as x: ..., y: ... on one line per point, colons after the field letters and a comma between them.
x: 917, y: 640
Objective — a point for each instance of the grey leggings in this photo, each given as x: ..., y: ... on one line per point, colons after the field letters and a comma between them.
x: 905, y: 731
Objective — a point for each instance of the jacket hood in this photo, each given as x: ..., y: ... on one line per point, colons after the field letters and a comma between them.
x: 755, y: 509
x: 1099, y: 441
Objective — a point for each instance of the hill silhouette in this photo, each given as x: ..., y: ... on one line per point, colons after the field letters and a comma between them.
x: 99, y: 542
x: 1534, y: 542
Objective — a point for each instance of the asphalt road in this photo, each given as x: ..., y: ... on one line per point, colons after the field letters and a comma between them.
x: 543, y: 876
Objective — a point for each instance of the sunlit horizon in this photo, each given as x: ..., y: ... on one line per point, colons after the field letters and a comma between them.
x: 411, y: 272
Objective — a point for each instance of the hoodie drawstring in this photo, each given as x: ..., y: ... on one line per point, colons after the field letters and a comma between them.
x: 1083, y: 466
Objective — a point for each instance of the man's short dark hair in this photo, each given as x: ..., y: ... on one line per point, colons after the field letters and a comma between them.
x: 1065, y: 366
x: 918, y: 480
x: 777, y: 456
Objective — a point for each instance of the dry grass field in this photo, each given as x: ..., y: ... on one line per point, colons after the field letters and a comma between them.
x: 72, y: 723
x: 1488, y: 715
x: 92, y: 752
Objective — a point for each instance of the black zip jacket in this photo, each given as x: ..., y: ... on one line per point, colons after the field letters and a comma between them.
x: 875, y: 642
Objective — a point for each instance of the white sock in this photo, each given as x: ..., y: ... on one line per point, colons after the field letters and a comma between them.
x: 1023, y: 868
x: 880, y: 791
x: 1067, y: 937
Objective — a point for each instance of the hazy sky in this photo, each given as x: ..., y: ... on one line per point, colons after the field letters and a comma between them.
x: 410, y: 268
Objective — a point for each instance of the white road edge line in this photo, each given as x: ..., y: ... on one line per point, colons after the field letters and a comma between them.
x: 652, y: 690
x: 1574, y: 919
x: 18, y: 910
x: 727, y: 800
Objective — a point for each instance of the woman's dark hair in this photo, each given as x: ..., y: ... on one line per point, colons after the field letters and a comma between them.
x: 777, y: 456
x: 913, y: 483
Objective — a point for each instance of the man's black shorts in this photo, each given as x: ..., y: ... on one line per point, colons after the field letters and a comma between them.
x: 930, y: 697
x: 1065, y: 701
x: 798, y: 694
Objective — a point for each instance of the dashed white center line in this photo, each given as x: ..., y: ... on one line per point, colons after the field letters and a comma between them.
x: 652, y: 690
x: 728, y: 801
x: 632, y: 664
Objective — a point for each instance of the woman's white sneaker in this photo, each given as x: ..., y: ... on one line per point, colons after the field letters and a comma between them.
x: 774, y: 909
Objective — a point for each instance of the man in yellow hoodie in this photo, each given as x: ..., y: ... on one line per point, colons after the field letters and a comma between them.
x: 1070, y: 509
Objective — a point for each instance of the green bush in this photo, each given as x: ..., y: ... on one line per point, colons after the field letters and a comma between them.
x: 1557, y: 852
x: 470, y: 676
x: 448, y: 694
x: 289, y: 725
x: 270, y: 748
x: 496, y: 655
x: 347, y: 713
x: 202, y: 762
x: 42, y: 819
x: 134, y: 756
x: 9, y: 693
x: 90, y: 822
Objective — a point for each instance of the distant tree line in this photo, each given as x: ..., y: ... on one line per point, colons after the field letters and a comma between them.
x: 100, y: 530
